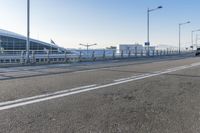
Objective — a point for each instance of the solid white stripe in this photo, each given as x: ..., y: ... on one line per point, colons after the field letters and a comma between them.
x: 93, y: 88
x: 45, y: 95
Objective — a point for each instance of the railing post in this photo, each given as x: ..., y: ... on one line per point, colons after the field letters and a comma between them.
x: 122, y: 54
x: 104, y: 54
x: 136, y: 51
x: 113, y: 54
x: 65, y: 56
x: 22, y: 57
x: 80, y: 56
x: 141, y: 53
x: 129, y: 54
x: 33, y: 57
x: 48, y: 61
x: 93, y: 56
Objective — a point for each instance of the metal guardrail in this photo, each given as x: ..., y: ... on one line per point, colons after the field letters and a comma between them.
x: 41, y: 57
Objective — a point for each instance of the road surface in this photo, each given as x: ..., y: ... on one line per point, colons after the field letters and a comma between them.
x: 143, y: 96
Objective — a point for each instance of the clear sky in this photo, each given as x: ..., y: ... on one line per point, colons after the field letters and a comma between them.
x: 105, y: 22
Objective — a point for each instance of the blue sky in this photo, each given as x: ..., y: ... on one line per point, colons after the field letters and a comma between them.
x: 105, y: 22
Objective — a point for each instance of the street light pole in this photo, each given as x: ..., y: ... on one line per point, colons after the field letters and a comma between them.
x: 192, y: 39
x: 148, y: 29
x: 179, y: 45
x: 87, y: 46
x: 28, y: 32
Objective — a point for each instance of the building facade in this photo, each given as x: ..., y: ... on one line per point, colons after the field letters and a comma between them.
x: 10, y: 42
x: 126, y: 48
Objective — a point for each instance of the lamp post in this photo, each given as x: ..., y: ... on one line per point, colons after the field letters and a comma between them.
x: 192, y: 33
x: 28, y: 32
x: 87, y: 46
x: 148, y: 12
x: 179, y: 46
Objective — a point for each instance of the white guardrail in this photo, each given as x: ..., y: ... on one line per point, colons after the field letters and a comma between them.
x: 40, y: 57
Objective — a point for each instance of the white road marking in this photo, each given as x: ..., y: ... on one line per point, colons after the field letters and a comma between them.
x: 46, y: 95
x: 135, y: 76
x: 59, y: 94
x: 83, y: 71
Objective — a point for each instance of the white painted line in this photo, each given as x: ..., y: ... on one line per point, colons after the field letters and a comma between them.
x: 157, y: 71
x: 86, y: 71
x: 46, y: 95
x: 37, y: 99
x: 117, y: 80
x: 136, y: 76
x: 194, y: 64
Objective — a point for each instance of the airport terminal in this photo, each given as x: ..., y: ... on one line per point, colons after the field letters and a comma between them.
x: 12, y: 42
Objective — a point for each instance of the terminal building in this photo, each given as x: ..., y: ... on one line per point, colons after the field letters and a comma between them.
x: 126, y: 48
x: 10, y: 42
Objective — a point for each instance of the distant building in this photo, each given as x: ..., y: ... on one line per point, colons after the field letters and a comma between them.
x: 166, y: 47
x: 151, y: 48
x: 130, y: 47
x: 97, y: 52
x: 10, y: 42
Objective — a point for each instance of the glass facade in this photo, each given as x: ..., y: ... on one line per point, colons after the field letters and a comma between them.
x: 10, y: 43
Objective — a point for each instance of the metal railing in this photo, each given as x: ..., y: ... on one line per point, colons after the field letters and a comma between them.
x: 41, y: 57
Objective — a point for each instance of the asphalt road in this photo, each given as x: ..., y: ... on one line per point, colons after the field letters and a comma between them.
x: 143, y: 96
